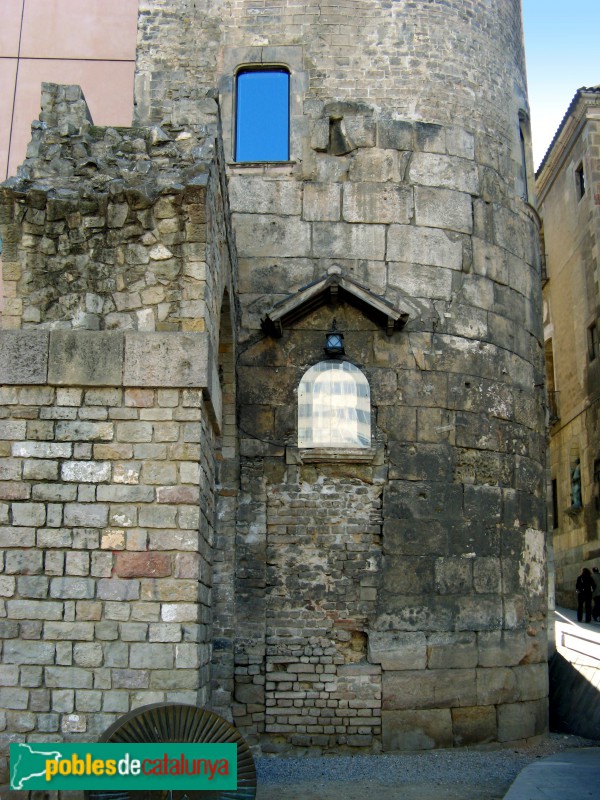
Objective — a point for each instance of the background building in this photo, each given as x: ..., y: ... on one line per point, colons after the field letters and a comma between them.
x: 90, y: 43
x: 200, y: 503
x: 568, y: 183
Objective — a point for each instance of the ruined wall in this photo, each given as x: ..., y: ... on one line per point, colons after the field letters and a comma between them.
x: 116, y: 370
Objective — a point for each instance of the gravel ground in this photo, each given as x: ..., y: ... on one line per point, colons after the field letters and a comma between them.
x: 458, y: 774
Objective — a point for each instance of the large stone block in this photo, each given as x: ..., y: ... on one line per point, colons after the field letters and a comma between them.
x: 420, y: 462
x: 398, y: 651
x: 255, y: 195
x: 474, y: 725
x: 420, y: 500
x: 407, y: 243
x: 448, y: 172
x: 522, y: 720
x: 85, y: 358
x: 395, y: 134
x: 407, y: 537
x: 167, y: 360
x: 408, y: 575
x: 508, y: 648
x: 376, y: 202
x: 443, y: 208
x: 479, y: 613
x: 416, y: 730
x: 271, y: 235
x: 345, y: 240
x: 454, y: 575
x: 23, y: 357
x: 450, y: 650
x: 496, y: 685
x: 419, y: 689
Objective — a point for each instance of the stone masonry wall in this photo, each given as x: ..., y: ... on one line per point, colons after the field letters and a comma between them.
x: 398, y: 604
x: 114, y: 229
x: 418, y: 59
x: 106, y: 515
x: 117, y: 406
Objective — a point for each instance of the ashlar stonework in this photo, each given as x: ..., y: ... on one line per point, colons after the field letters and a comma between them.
x: 166, y: 538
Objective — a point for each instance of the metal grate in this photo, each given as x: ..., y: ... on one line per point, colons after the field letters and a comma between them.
x: 171, y: 722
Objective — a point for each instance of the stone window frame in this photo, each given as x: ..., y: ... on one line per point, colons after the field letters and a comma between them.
x: 239, y: 59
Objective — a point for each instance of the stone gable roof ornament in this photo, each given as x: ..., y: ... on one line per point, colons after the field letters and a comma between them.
x: 333, y: 287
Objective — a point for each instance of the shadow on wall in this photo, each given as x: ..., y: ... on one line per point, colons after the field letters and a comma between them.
x: 574, y: 699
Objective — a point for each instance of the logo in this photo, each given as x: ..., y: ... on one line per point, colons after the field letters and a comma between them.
x: 124, y: 766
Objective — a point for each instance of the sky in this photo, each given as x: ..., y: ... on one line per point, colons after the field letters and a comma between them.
x: 563, y: 53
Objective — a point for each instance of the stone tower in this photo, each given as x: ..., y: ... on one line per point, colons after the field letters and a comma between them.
x: 370, y: 544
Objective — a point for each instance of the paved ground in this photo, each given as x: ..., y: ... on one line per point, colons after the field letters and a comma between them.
x: 459, y: 774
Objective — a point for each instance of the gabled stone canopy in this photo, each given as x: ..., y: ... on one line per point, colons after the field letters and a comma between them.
x: 332, y: 288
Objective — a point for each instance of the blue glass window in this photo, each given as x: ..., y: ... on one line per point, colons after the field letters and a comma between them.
x: 262, y: 131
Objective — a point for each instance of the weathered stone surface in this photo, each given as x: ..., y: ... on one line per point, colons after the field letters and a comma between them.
x: 85, y: 358
x: 270, y: 235
x: 398, y: 651
x: 418, y: 689
x: 424, y: 246
x: 473, y: 725
x: 167, y: 359
x: 443, y: 208
x: 253, y: 195
x: 339, y: 240
x: 376, y: 202
x: 452, y: 650
x: 322, y: 201
x: 431, y: 169
x: 23, y: 357
x: 522, y: 720
x: 416, y: 730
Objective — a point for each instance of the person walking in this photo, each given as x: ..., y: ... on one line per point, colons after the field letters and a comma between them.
x: 585, y: 588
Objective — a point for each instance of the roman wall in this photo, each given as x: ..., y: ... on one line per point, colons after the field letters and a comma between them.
x: 385, y: 597
x: 116, y: 365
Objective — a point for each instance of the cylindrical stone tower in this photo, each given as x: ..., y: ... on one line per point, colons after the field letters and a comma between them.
x: 386, y: 593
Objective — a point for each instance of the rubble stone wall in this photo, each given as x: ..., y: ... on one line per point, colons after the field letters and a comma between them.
x: 117, y: 410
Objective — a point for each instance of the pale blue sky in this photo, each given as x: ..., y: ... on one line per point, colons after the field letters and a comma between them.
x: 562, y: 44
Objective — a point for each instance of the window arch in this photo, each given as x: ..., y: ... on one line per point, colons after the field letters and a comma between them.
x: 334, y: 406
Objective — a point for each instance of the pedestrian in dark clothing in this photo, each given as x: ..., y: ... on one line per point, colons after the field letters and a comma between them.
x: 596, y: 607
x: 585, y: 588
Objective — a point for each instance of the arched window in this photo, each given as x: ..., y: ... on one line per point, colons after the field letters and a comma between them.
x: 334, y: 406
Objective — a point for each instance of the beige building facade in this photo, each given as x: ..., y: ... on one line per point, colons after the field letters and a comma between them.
x: 568, y: 191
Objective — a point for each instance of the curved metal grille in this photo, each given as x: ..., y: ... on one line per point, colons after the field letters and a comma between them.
x: 171, y: 722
